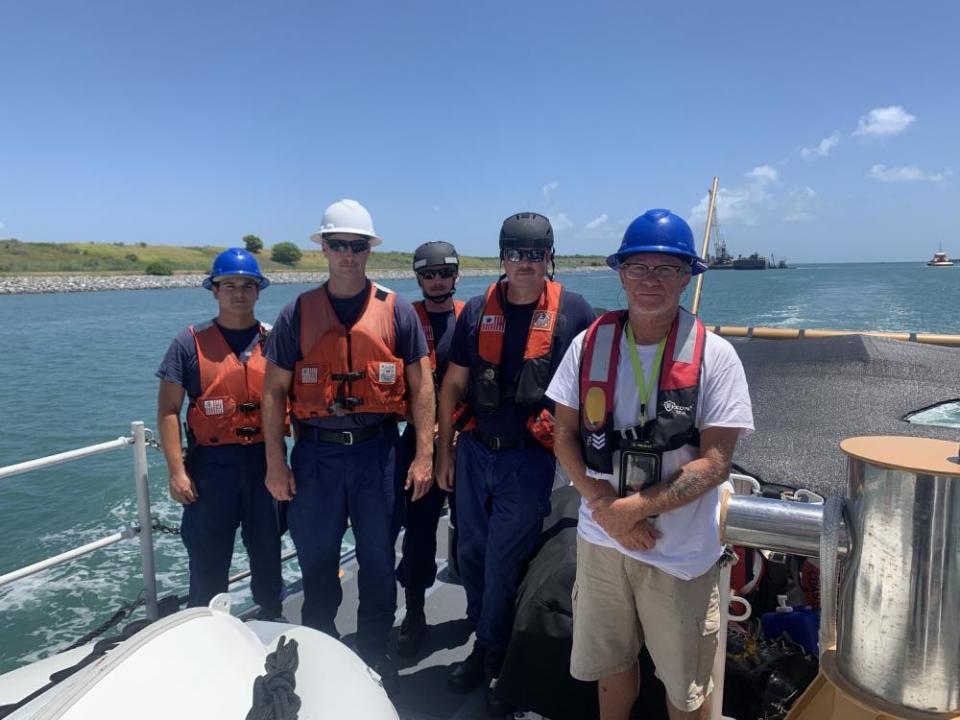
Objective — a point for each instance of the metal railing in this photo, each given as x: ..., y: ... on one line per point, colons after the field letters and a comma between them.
x: 143, y: 528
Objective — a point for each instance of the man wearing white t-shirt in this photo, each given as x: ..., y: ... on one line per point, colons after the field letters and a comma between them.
x: 649, y: 407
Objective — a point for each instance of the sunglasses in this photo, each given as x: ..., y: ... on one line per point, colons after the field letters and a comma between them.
x: 516, y: 255
x: 639, y: 271
x: 445, y: 273
x: 355, y: 246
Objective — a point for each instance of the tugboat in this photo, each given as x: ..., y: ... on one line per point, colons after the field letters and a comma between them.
x: 755, y: 261
x: 780, y: 264
x: 940, y: 259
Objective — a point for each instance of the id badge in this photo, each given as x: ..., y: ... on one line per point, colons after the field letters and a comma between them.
x: 638, y: 471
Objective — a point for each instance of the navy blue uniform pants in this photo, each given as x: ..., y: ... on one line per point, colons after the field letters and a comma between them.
x: 335, y: 482
x: 231, y: 493
x: 418, y: 564
x: 502, y: 498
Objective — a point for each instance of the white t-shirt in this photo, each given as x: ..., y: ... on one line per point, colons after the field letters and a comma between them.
x: 690, y: 538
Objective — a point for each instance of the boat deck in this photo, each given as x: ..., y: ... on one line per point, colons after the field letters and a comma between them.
x: 422, y: 692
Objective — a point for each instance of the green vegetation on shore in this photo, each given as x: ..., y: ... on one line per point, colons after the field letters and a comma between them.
x: 21, y: 258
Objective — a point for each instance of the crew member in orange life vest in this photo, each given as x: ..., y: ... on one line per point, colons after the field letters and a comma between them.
x: 649, y: 406
x: 219, y: 365
x: 436, y: 265
x: 506, y: 346
x: 352, y: 358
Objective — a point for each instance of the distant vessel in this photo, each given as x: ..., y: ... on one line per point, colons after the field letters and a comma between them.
x: 722, y: 260
x: 780, y: 264
x: 940, y: 259
x: 755, y: 261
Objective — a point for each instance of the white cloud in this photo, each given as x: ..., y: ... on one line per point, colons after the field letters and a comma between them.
x: 742, y: 203
x: 822, y: 148
x: 906, y: 173
x: 560, y: 222
x: 764, y: 174
x: 549, y: 189
x: 884, y: 122
x: 596, y: 222
x: 799, y: 205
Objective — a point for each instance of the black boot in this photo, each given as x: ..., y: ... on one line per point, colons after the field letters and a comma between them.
x: 467, y: 675
x: 413, y: 627
x: 387, y: 670
x: 492, y: 664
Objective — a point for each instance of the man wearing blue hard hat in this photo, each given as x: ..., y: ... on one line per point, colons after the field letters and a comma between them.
x: 219, y: 366
x: 649, y: 407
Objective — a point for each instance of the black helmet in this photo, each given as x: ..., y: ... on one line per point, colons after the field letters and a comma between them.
x: 435, y: 252
x: 526, y: 230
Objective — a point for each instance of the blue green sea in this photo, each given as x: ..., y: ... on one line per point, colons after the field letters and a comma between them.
x: 78, y: 369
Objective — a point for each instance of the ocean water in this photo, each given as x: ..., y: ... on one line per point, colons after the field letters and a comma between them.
x: 78, y: 369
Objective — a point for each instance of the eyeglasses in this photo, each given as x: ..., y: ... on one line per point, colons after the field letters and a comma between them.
x: 639, y: 271
x: 446, y: 273
x: 355, y: 246
x: 516, y: 255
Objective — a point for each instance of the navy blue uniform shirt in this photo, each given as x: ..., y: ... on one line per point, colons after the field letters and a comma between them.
x: 283, y: 346
x: 510, y: 419
x: 180, y: 365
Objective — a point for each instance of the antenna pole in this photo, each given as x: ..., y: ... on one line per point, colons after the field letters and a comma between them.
x: 698, y: 288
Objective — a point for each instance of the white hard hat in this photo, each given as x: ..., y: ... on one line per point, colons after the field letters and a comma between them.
x: 346, y: 216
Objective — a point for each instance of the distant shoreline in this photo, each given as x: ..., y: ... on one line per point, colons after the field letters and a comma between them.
x: 46, y: 284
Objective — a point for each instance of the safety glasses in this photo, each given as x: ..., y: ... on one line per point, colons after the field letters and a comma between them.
x: 354, y: 246
x: 639, y: 271
x: 446, y: 273
x: 516, y: 255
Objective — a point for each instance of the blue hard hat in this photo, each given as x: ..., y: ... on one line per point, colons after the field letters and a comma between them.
x: 234, y: 262
x: 659, y: 231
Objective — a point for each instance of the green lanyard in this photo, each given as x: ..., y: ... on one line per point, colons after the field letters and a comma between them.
x: 644, y: 385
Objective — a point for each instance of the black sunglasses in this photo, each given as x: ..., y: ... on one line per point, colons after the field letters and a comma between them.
x: 445, y: 273
x: 355, y: 246
x: 516, y: 255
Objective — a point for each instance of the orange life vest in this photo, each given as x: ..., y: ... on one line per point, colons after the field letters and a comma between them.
x: 348, y: 369
x: 420, y: 307
x: 227, y: 412
x: 486, y: 383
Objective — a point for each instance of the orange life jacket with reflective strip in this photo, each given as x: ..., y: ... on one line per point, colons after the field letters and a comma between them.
x: 227, y: 412
x: 420, y: 307
x: 677, y: 390
x: 486, y: 383
x: 348, y: 369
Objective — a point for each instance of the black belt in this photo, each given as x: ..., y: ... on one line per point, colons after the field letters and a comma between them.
x: 341, y: 437
x: 496, y: 443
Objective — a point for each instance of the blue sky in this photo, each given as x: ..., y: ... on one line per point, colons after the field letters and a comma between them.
x: 834, y: 127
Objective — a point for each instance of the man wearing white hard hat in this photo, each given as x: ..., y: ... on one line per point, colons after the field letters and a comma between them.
x: 352, y: 359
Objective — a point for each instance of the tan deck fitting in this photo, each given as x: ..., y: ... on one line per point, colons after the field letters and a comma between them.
x: 916, y: 455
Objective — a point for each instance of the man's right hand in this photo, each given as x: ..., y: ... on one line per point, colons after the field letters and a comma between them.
x: 445, y: 469
x: 280, y: 482
x: 182, y: 489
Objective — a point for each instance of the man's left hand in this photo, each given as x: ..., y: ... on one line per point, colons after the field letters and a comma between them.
x: 419, y: 476
x: 617, y: 516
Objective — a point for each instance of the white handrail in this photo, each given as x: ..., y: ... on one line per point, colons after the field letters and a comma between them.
x: 67, y: 556
x: 138, y: 439
x: 59, y: 458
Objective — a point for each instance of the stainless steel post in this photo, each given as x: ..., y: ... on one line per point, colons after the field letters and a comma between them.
x: 899, y: 632
x: 142, y: 480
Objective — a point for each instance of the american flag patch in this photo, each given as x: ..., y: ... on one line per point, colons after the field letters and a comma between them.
x: 309, y: 375
x: 493, y: 323
x: 213, y: 407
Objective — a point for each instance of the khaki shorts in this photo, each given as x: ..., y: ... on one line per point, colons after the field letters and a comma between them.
x: 620, y: 604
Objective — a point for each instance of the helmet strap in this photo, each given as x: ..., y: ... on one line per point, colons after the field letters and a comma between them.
x: 440, y: 298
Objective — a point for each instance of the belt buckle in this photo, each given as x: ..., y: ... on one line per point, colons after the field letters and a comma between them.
x: 347, y: 437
